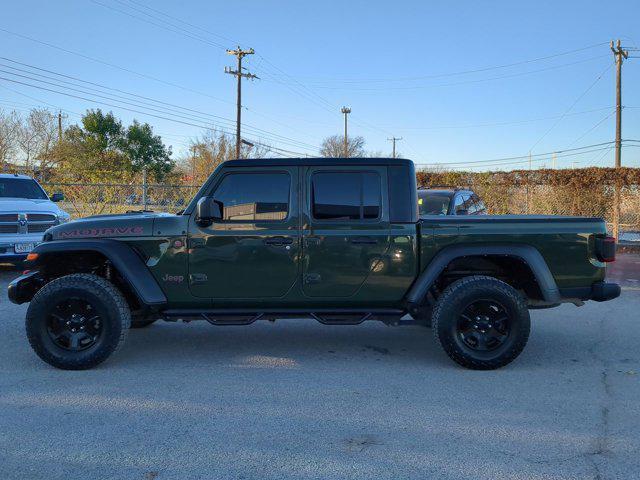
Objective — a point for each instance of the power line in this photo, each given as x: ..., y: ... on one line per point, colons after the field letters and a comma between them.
x: 145, y: 113
x: 226, y: 39
x: 570, y: 107
x: 520, y: 157
x: 177, y: 30
x: 113, y: 65
x: 163, y: 107
x: 501, y: 124
x: 464, y: 72
x: 452, y: 84
x: 504, y: 164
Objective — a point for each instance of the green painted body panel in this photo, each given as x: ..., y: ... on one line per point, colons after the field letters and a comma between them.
x: 567, y: 244
x: 325, y: 265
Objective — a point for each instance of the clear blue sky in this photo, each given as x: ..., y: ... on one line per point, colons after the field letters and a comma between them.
x: 395, y: 64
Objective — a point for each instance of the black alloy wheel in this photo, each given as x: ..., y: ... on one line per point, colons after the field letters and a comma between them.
x: 74, y: 324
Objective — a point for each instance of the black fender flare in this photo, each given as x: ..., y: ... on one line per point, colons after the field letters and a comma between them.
x: 124, y: 259
x: 527, y: 253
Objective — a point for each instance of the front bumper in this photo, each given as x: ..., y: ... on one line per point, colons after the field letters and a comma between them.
x: 23, y: 288
x: 8, y: 243
x: 599, y: 292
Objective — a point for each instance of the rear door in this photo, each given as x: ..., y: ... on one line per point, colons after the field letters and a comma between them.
x: 345, y: 230
x: 253, y: 251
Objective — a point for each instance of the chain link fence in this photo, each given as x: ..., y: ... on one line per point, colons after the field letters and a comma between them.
x: 84, y: 199
x: 557, y: 200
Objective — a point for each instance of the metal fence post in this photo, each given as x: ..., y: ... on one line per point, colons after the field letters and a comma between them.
x: 616, y: 211
x: 144, y: 188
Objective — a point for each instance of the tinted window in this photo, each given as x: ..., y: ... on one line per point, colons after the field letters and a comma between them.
x: 21, y: 188
x: 433, y: 204
x: 249, y: 197
x: 460, y: 203
x: 345, y: 196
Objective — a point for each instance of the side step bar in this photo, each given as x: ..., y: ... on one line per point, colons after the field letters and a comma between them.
x: 325, y: 316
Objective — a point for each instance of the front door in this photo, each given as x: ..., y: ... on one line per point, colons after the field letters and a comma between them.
x: 252, y: 252
x: 346, y: 228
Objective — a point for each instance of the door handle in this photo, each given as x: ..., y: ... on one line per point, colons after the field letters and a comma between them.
x: 364, y: 240
x: 278, y: 241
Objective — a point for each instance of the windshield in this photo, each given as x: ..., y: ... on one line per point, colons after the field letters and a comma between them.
x: 433, y: 204
x: 21, y: 188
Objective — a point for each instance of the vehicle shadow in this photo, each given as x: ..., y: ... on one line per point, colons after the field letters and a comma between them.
x: 283, y: 344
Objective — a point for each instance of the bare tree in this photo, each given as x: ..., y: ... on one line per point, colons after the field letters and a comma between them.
x: 333, y: 147
x: 27, y: 141
x: 45, y: 126
x: 9, y: 123
x: 210, y: 150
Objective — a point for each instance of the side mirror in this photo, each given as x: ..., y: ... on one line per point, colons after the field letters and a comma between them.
x: 208, y: 210
x: 462, y: 212
x: 57, y: 197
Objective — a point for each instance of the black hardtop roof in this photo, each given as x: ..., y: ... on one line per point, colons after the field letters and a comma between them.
x: 274, y: 162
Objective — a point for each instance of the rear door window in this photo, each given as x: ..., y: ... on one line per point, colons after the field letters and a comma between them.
x: 345, y: 196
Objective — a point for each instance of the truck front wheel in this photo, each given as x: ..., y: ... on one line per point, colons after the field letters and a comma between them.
x: 77, y: 321
x: 481, y: 322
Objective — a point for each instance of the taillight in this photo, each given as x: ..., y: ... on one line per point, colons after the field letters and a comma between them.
x: 606, y: 249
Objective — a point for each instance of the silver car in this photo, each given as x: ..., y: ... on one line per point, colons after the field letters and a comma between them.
x: 26, y: 212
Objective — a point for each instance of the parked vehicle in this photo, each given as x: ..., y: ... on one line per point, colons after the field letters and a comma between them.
x: 337, y: 240
x: 449, y: 201
x: 25, y: 213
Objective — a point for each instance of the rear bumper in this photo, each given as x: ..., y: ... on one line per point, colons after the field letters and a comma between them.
x: 603, y: 291
x: 599, y: 292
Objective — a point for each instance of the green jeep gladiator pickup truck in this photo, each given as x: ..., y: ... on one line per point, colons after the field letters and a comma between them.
x: 337, y: 240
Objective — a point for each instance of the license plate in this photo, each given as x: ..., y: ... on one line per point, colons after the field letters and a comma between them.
x: 24, y: 247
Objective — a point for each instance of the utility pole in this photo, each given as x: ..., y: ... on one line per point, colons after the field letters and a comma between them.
x: 346, y: 111
x: 59, y: 126
x: 619, y: 54
x: 61, y: 116
x: 239, y: 54
x: 553, y: 160
x: 393, y: 140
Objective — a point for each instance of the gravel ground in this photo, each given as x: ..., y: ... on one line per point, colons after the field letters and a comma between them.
x: 299, y: 400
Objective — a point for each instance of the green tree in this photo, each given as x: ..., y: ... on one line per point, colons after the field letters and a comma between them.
x: 146, y: 150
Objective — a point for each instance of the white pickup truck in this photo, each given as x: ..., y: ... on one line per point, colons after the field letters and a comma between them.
x: 26, y: 212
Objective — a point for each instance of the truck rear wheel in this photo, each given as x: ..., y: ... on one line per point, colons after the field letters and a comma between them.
x: 481, y: 322
x: 77, y: 321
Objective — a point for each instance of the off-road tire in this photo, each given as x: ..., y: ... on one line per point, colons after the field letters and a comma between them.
x: 100, y: 293
x: 142, y: 321
x: 460, y: 294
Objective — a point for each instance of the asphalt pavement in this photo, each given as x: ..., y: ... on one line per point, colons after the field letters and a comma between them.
x: 299, y: 400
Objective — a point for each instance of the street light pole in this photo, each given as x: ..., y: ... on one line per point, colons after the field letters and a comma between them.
x: 346, y: 111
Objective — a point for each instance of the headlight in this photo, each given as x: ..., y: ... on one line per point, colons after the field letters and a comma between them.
x: 63, y: 217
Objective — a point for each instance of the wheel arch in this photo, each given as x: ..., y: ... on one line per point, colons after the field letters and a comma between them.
x: 525, y: 255
x: 128, y: 264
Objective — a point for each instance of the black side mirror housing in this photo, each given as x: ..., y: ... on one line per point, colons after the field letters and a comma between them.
x: 462, y: 212
x: 208, y: 210
x: 57, y: 197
